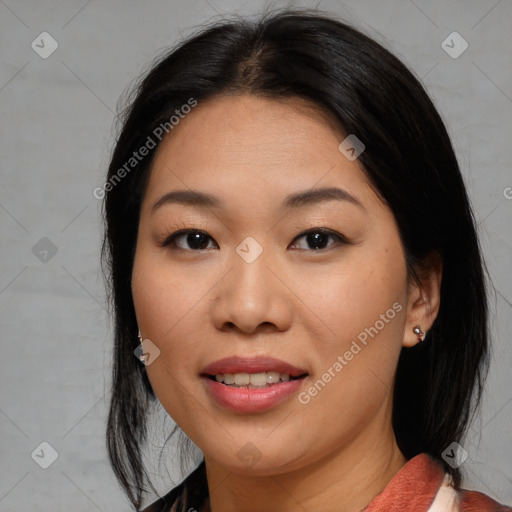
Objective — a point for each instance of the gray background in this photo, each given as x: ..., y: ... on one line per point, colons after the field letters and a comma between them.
x: 56, y: 134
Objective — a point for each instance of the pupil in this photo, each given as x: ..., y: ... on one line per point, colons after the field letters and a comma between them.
x: 315, y: 239
x: 197, y: 240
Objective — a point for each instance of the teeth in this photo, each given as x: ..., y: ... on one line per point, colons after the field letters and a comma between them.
x: 228, y: 378
x: 273, y: 377
x: 257, y: 379
x: 261, y: 379
x: 242, y: 379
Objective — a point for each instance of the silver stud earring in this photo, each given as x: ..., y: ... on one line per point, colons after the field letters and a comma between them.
x: 417, y: 330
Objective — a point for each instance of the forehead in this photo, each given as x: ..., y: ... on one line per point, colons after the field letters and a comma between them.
x: 235, y: 145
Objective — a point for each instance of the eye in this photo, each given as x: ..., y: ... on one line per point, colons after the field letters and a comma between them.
x: 196, y: 240
x: 318, y: 238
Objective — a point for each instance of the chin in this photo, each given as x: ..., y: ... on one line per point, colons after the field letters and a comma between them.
x: 250, y: 460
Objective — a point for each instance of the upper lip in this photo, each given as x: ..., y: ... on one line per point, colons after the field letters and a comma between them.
x: 259, y: 364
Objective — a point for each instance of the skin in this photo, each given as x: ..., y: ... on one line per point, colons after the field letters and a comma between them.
x: 295, y: 303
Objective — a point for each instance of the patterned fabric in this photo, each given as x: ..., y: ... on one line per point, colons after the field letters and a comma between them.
x: 423, y: 486
x: 420, y: 486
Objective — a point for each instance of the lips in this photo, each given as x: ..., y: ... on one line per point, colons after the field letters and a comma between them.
x: 233, y: 365
x: 238, y: 396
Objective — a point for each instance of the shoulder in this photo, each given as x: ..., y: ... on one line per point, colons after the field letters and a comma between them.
x: 423, y: 486
x: 191, y: 492
x: 475, y: 501
x: 448, y: 499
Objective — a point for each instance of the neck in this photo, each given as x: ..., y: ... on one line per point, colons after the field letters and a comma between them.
x: 344, y: 480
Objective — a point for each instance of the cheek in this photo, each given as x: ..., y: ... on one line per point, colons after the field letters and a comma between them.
x: 345, y: 299
x: 353, y: 378
x: 362, y: 307
x: 163, y: 300
x: 163, y: 304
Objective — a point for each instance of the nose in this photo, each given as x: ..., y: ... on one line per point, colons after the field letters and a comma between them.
x: 252, y: 297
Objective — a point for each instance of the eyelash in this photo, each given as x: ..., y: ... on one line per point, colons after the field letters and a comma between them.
x: 169, y: 241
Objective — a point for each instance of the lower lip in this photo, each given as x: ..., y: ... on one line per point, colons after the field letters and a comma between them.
x: 251, y: 399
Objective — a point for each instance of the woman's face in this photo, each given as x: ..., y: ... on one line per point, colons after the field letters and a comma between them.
x: 248, y: 283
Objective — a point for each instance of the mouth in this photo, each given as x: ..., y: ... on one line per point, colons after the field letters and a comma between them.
x: 252, y: 372
x: 258, y: 380
x: 252, y: 384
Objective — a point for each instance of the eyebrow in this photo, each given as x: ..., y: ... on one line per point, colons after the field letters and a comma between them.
x: 297, y: 200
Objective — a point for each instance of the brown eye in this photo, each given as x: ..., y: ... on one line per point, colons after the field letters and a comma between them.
x: 318, y: 239
x: 188, y: 239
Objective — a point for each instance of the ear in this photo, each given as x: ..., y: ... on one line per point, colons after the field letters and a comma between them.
x: 424, y: 298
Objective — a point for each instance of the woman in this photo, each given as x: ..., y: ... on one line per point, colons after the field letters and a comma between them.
x: 292, y: 258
